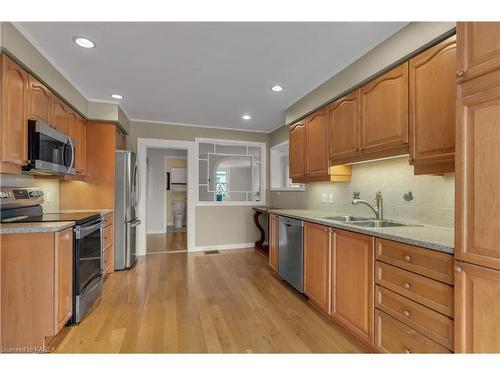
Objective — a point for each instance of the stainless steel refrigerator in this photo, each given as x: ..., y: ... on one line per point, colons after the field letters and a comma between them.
x: 126, y: 199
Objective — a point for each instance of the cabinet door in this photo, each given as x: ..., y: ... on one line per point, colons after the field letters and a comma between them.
x: 317, y: 144
x: 14, y: 120
x: 478, y: 48
x: 353, y: 283
x: 477, y: 296
x: 74, y: 134
x: 384, y: 111
x: 59, y: 115
x: 273, y: 242
x: 477, y: 229
x: 317, y: 265
x: 297, y: 151
x: 40, y: 101
x: 432, y: 107
x: 63, y: 278
x: 82, y: 143
x: 343, y: 126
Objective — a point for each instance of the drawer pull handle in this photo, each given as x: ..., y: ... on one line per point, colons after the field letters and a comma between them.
x: 407, y: 285
x: 408, y: 258
x: 406, y: 313
x: 407, y: 351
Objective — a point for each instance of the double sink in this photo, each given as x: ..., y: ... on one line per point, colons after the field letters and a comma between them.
x: 365, y: 221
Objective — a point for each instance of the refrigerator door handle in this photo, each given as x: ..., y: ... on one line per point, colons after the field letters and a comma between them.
x: 135, y: 223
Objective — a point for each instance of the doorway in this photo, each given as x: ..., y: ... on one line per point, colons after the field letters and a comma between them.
x: 167, y: 197
x: 166, y: 200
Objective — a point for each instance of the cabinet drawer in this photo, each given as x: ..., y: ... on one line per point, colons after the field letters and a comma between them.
x: 107, y: 220
x: 107, y: 236
x: 431, y: 293
x: 432, y: 324
x: 392, y: 336
x: 107, y: 259
x: 430, y: 263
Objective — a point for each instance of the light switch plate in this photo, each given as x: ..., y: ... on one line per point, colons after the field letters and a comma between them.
x: 330, y: 198
x: 323, y: 198
x: 48, y: 197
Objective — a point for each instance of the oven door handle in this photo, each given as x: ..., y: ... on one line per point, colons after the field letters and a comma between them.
x: 82, y: 231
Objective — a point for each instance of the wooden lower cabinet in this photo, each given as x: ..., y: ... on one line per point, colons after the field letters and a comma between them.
x: 392, y: 336
x: 477, y: 309
x: 63, y: 278
x: 353, y: 283
x: 108, y: 243
x: 317, y: 255
x: 36, y: 288
x: 273, y: 242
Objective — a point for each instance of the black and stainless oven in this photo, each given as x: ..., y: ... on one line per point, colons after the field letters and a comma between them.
x: 88, y: 273
x: 49, y: 151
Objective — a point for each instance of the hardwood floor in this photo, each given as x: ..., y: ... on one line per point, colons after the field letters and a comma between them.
x: 175, y: 240
x: 196, y: 303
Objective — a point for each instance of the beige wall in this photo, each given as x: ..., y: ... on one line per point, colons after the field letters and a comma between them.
x: 186, y: 133
x: 215, y: 225
x: 21, y: 49
x: 407, y: 41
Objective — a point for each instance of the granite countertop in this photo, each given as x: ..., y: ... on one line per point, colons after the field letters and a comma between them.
x: 53, y: 226
x: 430, y: 237
x: 104, y: 211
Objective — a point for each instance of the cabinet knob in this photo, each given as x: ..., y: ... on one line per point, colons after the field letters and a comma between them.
x: 407, y: 285
x: 407, y: 351
x: 406, y: 313
x: 458, y: 268
x: 460, y: 74
x: 408, y: 258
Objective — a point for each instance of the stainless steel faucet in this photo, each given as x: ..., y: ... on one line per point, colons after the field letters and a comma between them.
x: 379, y: 210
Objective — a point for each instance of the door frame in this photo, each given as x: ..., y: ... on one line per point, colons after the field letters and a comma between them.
x: 142, y: 147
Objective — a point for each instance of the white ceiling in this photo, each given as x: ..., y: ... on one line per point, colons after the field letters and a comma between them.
x: 205, y: 73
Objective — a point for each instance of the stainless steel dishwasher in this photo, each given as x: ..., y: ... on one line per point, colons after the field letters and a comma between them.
x: 291, y: 256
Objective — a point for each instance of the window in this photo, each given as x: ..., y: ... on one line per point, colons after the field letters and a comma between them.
x: 231, y: 172
x: 280, y: 178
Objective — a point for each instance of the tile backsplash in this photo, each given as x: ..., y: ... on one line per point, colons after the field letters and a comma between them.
x: 433, y: 196
x: 50, y: 187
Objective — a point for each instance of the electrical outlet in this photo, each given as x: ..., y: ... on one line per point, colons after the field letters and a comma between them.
x: 323, y: 198
x: 48, y: 197
x: 330, y: 198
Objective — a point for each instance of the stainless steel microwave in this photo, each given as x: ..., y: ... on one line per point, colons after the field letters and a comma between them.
x: 49, y: 151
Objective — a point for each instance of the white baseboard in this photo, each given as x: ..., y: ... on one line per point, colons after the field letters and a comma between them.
x: 156, y: 232
x: 224, y: 247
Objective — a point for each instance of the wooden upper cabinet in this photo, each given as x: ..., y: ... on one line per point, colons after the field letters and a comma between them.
x: 317, y: 143
x: 353, y: 283
x: 59, y: 118
x: 477, y: 228
x: 343, y: 127
x: 63, y: 278
x: 297, y: 151
x: 273, y: 242
x: 384, y: 113
x: 40, y: 101
x: 477, y: 309
x: 13, y: 133
x: 478, y: 48
x: 81, y: 154
x: 317, y: 265
x: 432, y: 108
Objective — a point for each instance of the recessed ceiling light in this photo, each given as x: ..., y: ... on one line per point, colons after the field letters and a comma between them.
x: 83, y: 42
x: 277, y: 88
x: 246, y: 117
x: 117, y: 96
